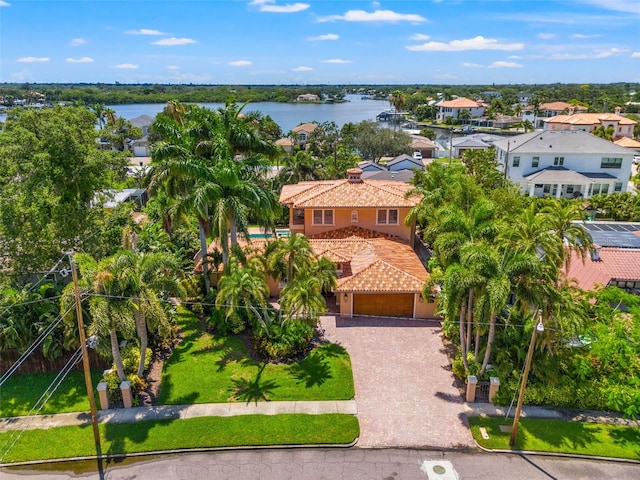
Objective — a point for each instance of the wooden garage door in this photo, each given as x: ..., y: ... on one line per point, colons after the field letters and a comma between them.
x: 385, y: 305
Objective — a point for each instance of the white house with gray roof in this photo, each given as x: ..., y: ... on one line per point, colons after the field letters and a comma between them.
x: 566, y: 164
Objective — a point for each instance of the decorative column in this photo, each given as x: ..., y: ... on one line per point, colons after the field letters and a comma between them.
x: 125, y: 388
x: 103, y: 394
x: 494, y: 386
x: 472, y: 382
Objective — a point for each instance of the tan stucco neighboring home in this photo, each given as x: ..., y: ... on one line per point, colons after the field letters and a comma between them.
x: 359, y: 224
x: 548, y: 110
x: 307, y: 97
x: 587, y: 122
x: 302, y: 132
x: 629, y: 143
x: 286, y: 144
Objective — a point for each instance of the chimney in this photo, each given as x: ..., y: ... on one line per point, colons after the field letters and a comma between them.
x: 595, y: 253
x: 572, y: 110
x: 354, y: 175
x: 618, y: 110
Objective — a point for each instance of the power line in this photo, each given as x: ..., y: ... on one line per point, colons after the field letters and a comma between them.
x: 42, y: 401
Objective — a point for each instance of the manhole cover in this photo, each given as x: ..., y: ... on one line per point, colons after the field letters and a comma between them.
x: 439, y: 469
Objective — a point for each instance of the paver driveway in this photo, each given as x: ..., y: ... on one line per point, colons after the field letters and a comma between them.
x: 405, y: 392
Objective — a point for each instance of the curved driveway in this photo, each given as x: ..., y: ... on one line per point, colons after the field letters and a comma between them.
x: 405, y: 392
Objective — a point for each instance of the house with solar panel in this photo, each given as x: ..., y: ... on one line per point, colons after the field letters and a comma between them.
x: 614, y: 260
x: 564, y: 164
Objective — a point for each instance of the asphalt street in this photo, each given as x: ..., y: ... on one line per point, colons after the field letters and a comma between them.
x: 336, y: 464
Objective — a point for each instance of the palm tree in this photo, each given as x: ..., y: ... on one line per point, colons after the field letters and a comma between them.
x: 302, y: 298
x: 291, y: 257
x: 242, y: 294
x: 146, y: 279
x: 109, y: 313
x: 561, y: 217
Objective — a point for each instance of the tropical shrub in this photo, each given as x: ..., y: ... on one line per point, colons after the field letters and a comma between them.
x: 283, y: 342
x: 113, y: 386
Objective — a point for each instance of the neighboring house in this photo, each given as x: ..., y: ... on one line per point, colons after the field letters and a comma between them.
x: 308, y: 97
x: 629, y: 143
x: 587, y: 122
x: 286, y: 144
x: 525, y: 99
x: 504, y: 121
x: 452, y: 108
x: 359, y: 225
x: 110, y: 199
x: 140, y: 147
x: 302, y: 132
x: 423, y: 145
x: 476, y: 141
x: 548, y: 110
x: 404, y: 162
x: 389, y: 116
x: 614, y: 260
x: 564, y: 164
x: 369, y: 166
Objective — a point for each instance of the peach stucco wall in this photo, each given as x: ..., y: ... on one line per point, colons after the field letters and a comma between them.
x: 367, y: 218
x: 424, y: 309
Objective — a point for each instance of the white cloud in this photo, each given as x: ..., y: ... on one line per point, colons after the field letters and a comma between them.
x: 79, y: 60
x: 240, y: 63
x: 629, y: 6
x: 597, y: 54
x: 127, y: 66
x: 34, y: 60
x: 419, y: 37
x: 635, y: 55
x: 76, y: 42
x: 269, y: 6
x: 546, y: 36
x: 502, y: 64
x: 173, y: 67
x: 375, y: 16
x: 4, y: 4
x: 144, y: 31
x: 582, y: 36
x: 476, y: 43
x: 302, y: 69
x: 328, y: 36
x: 337, y: 60
x: 173, y: 41
x: 472, y: 65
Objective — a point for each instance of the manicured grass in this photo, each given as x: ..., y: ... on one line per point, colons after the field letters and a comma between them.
x: 20, y: 392
x: 209, y: 369
x: 203, y: 432
x: 561, y: 437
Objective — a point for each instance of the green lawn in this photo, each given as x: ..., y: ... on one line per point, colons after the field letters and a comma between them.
x: 561, y: 437
x: 209, y: 369
x: 157, y: 435
x: 20, y: 392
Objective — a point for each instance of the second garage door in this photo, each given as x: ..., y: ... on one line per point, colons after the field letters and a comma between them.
x: 384, y: 305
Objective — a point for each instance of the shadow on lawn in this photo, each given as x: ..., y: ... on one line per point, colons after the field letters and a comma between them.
x: 313, y: 370
x: 574, y: 434
x: 253, y: 390
x: 165, y: 393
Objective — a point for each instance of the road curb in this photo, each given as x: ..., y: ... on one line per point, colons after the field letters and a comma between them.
x: 176, y: 452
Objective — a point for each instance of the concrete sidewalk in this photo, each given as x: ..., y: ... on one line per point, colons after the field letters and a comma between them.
x: 490, y: 410
x: 173, y: 412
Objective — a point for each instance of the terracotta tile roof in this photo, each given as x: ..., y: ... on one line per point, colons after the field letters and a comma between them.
x: 346, y: 194
x: 460, y: 102
x: 628, y: 143
x: 305, y: 127
x: 590, y: 119
x: 614, y: 263
x: 351, y: 232
x: 559, y: 106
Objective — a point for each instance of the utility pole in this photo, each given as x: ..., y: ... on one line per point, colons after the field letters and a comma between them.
x: 527, y: 365
x: 85, y: 357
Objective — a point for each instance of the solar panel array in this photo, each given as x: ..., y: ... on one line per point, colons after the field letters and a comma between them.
x: 614, y: 234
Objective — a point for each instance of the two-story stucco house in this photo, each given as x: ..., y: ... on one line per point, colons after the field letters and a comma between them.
x: 452, y: 108
x: 587, y: 122
x: 359, y: 224
x: 565, y: 164
x: 549, y: 110
x: 303, y: 131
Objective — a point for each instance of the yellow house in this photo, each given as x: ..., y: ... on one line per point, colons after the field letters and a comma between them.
x: 359, y: 224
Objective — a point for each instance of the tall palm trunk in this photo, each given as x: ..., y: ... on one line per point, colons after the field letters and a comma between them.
x: 141, y: 329
x: 115, y: 352
x: 233, y: 230
x: 469, y: 318
x: 203, y: 253
x: 463, y: 344
x: 490, y: 338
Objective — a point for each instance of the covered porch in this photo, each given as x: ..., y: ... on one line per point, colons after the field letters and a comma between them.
x: 565, y: 183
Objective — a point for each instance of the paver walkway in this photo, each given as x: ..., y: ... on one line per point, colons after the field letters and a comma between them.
x: 405, y: 391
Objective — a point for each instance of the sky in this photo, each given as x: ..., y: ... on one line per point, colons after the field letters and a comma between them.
x: 253, y: 42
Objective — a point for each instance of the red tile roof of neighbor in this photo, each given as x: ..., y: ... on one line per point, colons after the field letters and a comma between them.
x: 614, y: 263
x: 345, y: 194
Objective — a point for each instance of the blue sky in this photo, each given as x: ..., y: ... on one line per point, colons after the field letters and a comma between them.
x: 311, y: 42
